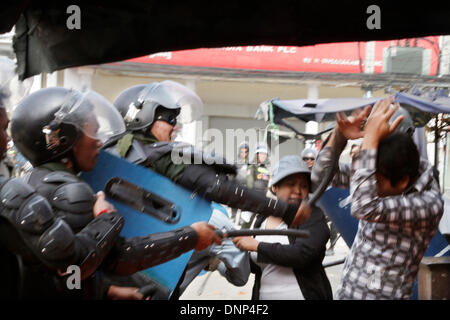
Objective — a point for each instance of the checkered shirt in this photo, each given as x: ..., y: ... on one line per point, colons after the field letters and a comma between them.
x: 393, y: 232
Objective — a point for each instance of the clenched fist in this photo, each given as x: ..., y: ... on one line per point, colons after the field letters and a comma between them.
x: 206, y: 235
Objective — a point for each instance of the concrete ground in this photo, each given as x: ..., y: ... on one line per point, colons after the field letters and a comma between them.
x: 212, y: 286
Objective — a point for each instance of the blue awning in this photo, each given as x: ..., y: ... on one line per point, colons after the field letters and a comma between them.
x: 325, y: 109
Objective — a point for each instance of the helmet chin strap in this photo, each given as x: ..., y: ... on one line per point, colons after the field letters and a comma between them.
x: 147, y: 131
x: 70, y: 157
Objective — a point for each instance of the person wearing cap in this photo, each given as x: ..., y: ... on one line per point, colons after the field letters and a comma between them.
x: 309, y: 156
x: 394, y: 196
x: 289, y: 268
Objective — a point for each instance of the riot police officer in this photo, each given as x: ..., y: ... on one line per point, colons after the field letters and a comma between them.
x: 150, y: 113
x: 31, y: 234
x: 259, y: 172
x: 60, y: 131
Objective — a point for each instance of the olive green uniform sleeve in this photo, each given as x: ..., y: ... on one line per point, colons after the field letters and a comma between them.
x: 167, y: 168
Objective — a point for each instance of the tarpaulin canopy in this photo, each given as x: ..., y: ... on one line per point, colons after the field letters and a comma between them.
x: 326, y: 109
x: 115, y: 31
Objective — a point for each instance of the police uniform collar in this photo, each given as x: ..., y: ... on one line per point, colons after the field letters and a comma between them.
x: 146, y: 138
x: 124, y: 144
x: 55, y: 166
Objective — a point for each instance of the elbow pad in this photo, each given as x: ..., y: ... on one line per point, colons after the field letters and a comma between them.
x: 134, y: 254
x: 100, y: 236
x: 38, y: 235
x: 218, y: 188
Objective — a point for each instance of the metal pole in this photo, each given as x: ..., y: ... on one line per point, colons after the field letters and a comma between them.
x: 445, y: 162
x: 436, y: 142
x: 333, y: 263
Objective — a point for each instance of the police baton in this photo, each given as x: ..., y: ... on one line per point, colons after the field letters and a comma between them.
x: 263, y: 232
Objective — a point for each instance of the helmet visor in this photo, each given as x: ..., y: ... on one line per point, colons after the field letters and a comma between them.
x: 173, y: 95
x: 92, y: 114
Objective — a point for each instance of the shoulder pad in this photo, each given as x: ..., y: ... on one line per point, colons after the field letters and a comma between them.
x: 59, y: 177
x: 35, y: 216
x: 45, y: 181
x: 70, y: 197
x: 66, y: 192
x: 14, y: 192
x: 74, y: 202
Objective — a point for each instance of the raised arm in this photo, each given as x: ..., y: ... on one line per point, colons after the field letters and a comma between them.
x: 326, y: 169
x: 417, y: 202
x: 327, y: 165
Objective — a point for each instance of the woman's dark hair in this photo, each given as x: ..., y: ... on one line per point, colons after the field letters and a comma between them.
x: 398, y: 157
x: 308, y: 179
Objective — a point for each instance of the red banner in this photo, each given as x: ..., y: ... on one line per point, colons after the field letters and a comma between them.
x: 348, y: 57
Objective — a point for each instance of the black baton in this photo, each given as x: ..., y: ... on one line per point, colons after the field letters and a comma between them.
x: 262, y: 232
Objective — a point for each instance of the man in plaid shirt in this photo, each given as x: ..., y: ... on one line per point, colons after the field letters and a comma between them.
x: 395, y: 197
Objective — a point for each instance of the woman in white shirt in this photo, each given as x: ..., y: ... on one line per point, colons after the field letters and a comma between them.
x: 289, y: 268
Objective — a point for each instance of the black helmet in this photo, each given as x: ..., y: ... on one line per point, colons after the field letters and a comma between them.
x: 138, y: 104
x: 48, y: 123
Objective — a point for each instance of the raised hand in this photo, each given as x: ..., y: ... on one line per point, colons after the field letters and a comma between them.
x: 378, y: 126
x: 351, y: 127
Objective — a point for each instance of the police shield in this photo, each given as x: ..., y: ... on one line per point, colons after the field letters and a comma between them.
x: 150, y: 203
